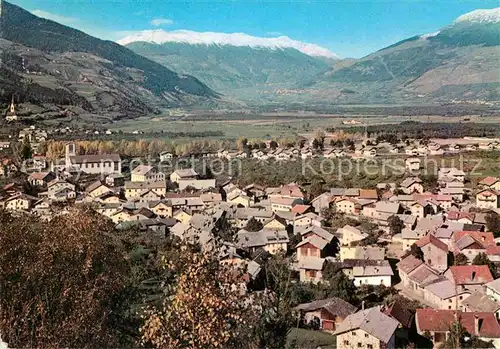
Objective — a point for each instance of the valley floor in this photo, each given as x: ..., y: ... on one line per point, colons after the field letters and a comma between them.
x: 273, y: 125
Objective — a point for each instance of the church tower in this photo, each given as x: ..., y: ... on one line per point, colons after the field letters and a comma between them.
x: 11, y: 113
x: 70, y: 151
x: 12, y: 108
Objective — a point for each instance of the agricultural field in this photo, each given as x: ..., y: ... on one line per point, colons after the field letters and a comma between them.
x: 271, y: 125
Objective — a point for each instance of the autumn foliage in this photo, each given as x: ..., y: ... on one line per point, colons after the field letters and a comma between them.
x: 206, y: 308
x: 60, y: 281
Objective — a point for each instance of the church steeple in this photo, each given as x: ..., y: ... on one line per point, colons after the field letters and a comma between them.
x: 12, y: 108
x: 11, y: 113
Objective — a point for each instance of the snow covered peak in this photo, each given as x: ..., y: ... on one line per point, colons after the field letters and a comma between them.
x: 161, y: 36
x: 430, y: 35
x: 481, y: 16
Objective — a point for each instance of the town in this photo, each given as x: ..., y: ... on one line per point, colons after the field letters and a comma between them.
x: 408, y: 258
x: 250, y: 174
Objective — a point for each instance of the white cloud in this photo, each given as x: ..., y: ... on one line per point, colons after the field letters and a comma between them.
x: 161, y: 21
x: 160, y: 36
x: 55, y: 17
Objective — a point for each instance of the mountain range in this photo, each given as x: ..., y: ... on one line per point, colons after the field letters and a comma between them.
x: 44, y: 62
x: 51, y: 68
x: 460, y: 62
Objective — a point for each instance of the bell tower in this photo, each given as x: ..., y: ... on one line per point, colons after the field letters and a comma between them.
x: 12, y: 108
x: 11, y: 113
x: 70, y: 151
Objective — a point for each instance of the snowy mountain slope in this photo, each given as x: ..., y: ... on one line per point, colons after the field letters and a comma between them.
x: 234, y: 39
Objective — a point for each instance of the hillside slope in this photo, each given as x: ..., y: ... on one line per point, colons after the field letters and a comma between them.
x: 50, y: 60
x: 459, y: 62
x: 240, y: 71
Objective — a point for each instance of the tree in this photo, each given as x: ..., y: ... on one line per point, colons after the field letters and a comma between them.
x: 316, y: 188
x: 456, y: 337
x: 493, y: 223
x: 253, y: 225
x: 328, y: 213
x: 396, y: 225
x: 459, y: 338
x: 315, y: 144
x: 276, y: 316
x: 26, y: 151
x: 319, y: 133
x: 429, y: 181
x: 416, y: 252
x: 242, y: 143
x: 338, y: 284
x: 461, y: 259
x: 343, y: 287
x: 205, y: 308
x: 63, y: 282
x: 482, y: 259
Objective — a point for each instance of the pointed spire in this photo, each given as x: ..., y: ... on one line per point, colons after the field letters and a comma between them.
x: 12, y: 107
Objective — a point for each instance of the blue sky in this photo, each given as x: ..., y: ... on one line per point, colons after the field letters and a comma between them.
x: 348, y: 28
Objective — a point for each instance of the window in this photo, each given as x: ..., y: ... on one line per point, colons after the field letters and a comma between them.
x: 346, y: 342
x: 359, y: 345
x: 461, y: 297
x: 449, y: 301
x: 366, y: 335
x: 353, y: 333
x: 369, y: 346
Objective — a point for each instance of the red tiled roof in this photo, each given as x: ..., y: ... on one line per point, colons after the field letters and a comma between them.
x: 471, y: 274
x: 283, y: 201
x: 409, y: 263
x: 300, y: 209
x: 488, y: 192
x: 368, y: 194
x: 38, y: 175
x: 387, y: 195
x: 433, y: 320
x: 8, y: 186
x: 292, y: 190
x: 493, y: 251
x: 431, y: 239
x: 344, y: 198
x: 429, y: 196
x: 486, y: 239
x: 399, y: 313
x: 443, y: 197
x: 423, y: 273
x: 489, y: 181
x: 456, y: 215
x: 171, y: 195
